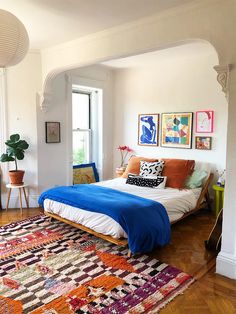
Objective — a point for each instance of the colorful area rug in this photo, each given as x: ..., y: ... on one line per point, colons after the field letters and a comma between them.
x: 51, y: 267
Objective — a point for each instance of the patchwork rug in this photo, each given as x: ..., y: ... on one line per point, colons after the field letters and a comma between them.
x: 51, y: 267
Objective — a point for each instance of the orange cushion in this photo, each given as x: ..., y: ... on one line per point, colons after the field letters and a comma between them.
x: 134, y: 165
x: 176, y: 171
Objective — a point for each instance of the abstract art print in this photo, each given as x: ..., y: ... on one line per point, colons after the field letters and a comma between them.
x: 204, y: 121
x: 203, y: 142
x: 176, y: 129
x: 148, y: 126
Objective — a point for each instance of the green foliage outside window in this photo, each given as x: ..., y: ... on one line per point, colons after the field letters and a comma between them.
x: 78, y: 156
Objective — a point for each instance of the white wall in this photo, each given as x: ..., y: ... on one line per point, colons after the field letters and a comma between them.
x: 177, y: 84
x: 55, y: 160
x: 52, y: 158
x: 22, y: 83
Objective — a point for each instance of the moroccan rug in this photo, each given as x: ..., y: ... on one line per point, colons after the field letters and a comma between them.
x: 51, y: 267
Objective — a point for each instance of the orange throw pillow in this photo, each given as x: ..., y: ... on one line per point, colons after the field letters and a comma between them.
x: 176, y: 171
x: 134, y: 165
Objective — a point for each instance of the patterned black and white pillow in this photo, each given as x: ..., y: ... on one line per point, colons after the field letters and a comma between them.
x: 150, y: 182
x: 151, y: 169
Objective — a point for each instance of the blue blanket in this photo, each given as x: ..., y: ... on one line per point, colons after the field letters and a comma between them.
x: 145, y: 221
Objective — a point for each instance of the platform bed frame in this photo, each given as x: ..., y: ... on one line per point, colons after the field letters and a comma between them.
x: 202, y: 200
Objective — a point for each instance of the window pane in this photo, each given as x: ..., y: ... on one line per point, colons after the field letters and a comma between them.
x: 81, y: 147
x: 80, y: 111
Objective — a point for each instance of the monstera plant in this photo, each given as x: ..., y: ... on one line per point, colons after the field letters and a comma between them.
x: 15, y: 151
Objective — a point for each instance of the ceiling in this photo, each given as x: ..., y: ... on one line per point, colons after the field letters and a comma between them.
x: 50, y: 22
x: 150, y: 59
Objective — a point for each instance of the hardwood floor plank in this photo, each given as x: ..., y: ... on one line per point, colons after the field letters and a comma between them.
x: 14, y: 214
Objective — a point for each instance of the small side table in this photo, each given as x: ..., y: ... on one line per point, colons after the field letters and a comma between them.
x: 219, y: 198
x: 20, y: 187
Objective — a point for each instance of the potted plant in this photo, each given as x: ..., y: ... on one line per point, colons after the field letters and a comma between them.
x: 15, y: 151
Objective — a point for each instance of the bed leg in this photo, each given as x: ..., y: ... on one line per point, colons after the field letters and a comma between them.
x: 129, y: 254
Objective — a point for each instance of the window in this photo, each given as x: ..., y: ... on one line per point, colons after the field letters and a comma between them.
x: 81, y: 123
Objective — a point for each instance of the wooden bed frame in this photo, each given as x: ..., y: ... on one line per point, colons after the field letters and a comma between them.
x: 203, y: 199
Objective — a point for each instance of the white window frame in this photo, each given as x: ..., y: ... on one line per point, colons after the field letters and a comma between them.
x: 96, y: 87
x: 89, y: 130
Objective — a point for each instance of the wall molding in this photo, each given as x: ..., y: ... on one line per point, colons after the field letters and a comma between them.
x: 223, y: 77
x: 90, y: 39
x: 141, y: 22
x: 15, y: 202
x: 226, y: 265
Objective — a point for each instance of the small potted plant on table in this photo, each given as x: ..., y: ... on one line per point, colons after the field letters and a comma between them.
x: 15, y: 151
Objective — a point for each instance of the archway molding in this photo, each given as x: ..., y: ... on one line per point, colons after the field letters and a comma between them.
x: 45, y: 96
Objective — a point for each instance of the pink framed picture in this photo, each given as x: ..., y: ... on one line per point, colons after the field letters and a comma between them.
x: 204, y: 121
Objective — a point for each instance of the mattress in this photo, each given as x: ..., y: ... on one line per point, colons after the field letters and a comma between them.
x: 177, y: 203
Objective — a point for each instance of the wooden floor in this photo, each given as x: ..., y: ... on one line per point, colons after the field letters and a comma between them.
x: 211, y: 293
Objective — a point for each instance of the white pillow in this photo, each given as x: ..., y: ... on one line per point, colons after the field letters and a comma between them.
x: 151, y: 169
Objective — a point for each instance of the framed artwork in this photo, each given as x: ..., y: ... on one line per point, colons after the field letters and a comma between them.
x: 203, y: 142
x: 52, y: 132
x: 148, y: 129
x: 176, y: 129
x: 204, y: 121
x: 85, y: 174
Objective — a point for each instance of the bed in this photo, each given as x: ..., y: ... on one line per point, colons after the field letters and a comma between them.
x: 178, y: 204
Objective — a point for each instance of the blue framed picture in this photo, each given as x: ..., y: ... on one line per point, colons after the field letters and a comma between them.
x: 85, y: 173
x: 148, y: 129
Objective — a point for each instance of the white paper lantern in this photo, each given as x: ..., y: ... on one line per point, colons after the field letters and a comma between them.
x: 14, y: 40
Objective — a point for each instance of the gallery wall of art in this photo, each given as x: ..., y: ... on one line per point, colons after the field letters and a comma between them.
x: 181, y: 87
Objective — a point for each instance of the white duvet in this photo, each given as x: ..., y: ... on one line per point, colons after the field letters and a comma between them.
x: 177, y: 203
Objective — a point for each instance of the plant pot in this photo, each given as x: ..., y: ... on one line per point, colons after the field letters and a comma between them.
x: 16, y: 177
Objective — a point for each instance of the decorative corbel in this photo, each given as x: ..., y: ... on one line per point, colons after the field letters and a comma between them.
x: 44, y: 100
x: 223, y: 77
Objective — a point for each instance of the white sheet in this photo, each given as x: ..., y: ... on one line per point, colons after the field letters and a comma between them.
x: 177, y: 202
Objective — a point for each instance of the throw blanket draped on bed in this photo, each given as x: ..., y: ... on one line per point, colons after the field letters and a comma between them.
x: 145, y: 221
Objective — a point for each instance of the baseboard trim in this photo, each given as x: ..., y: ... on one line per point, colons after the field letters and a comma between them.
x: 226, y: 265
x: 14, y: 201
